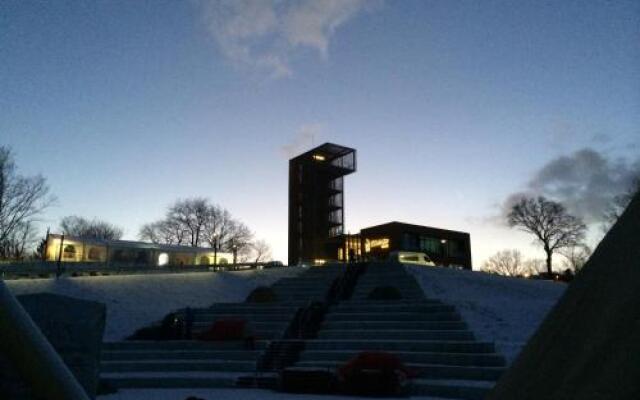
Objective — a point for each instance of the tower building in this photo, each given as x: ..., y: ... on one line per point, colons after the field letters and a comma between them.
x: 316, y: 202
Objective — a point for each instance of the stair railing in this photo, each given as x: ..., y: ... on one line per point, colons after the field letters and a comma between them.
x: 306, y: 323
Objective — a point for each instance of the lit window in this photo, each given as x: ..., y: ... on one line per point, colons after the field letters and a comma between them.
x: 318, y: 157
x: 163, y: 259
x: 69, y: 251
x: 382, y: 243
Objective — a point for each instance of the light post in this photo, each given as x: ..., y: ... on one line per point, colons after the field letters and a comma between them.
x: 235, y: 253
x: 59, y: 263
x: 215, y: 249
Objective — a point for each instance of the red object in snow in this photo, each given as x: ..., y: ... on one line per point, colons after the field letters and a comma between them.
x: 225, y: 329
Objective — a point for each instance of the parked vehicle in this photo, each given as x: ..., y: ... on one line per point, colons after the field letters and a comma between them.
x: 411, y: 257
x: 273, y: 264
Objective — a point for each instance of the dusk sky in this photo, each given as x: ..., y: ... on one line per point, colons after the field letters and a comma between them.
x: 453, y: 106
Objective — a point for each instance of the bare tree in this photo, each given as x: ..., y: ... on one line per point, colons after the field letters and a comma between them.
x: 619, y: 203
x: 261, y: 251
x: 238, y: 236
x: 73, y: 225
x: 16, y: 245
x: 192, y: 214
x: 576, y: 256
x: 197, y: 222
x: 22, y: 199
x: 553, y: 227
x: 41, y: 249
x: 218, y: 226
x: 534, y: 266
x: 505, y: 262
x: 164, y: 231
x: 238, y: 241
x: 150, y: 232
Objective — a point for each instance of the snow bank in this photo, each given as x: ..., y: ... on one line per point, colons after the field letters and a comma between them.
x: 134, y: 301
x: 503, y: 310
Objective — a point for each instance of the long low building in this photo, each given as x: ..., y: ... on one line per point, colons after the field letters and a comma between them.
x: 84, y: 250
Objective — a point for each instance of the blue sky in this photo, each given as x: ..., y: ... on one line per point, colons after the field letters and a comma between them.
x: 453, y: 106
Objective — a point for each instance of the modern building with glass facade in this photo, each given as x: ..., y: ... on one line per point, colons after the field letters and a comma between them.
x: 316, y: 218
x: 443, y: 246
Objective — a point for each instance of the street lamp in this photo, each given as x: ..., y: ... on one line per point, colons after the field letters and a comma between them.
x: 59, y: 263
x: 235, y: 253
x: 215, y: 249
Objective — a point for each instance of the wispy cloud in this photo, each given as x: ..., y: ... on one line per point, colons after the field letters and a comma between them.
x: 260, y: 35
x: 306, y: 137
x: 584, y: 181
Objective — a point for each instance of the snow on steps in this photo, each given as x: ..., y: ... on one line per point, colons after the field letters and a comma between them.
x: 192, y: 363
x: 429, y: 336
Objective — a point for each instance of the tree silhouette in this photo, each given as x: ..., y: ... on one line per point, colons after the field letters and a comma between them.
x: 505, y: 262
x: 22, y: 199
x: 73, y: 225
x: 551, y: 224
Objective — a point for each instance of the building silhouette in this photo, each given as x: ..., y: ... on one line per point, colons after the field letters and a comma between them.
x: 316, y: 202
x: 316, y: 219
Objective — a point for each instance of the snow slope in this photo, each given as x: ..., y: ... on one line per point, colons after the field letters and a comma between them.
x: 498, y: 309
x: 134, y: 301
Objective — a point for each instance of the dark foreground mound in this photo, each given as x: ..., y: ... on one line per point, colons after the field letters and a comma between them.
x: 589, y: 345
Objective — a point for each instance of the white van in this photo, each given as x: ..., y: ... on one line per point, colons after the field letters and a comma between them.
x: 411, y: 257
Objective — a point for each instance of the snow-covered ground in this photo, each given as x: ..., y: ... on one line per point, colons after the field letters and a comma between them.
x: 229, y: 394
x: 506, y: 311
x: 498, y: 309
x: 134, y: 301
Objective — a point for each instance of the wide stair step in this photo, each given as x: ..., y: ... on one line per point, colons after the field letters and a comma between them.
x: 392, y: 309
x: 404, y: 316
x: 430, y: 371
x: 373, y: 325
x: 237, y: 355
x: 178, y: 365
x: 460, y: 335
x: 440, y: 346
x: 166, y: 380
x: 179, y: 345
x: 210, y: 317
x: 455, y: 359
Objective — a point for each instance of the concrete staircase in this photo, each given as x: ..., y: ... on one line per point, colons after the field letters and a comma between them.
x: 429, y: 336
x: 192, y: 363
x: 312, y: 285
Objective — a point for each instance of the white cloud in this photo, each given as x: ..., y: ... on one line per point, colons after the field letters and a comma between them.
x: 312, y: 23
x: 306, y: 137
x: 261, y: 34
x: 585, y: 182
